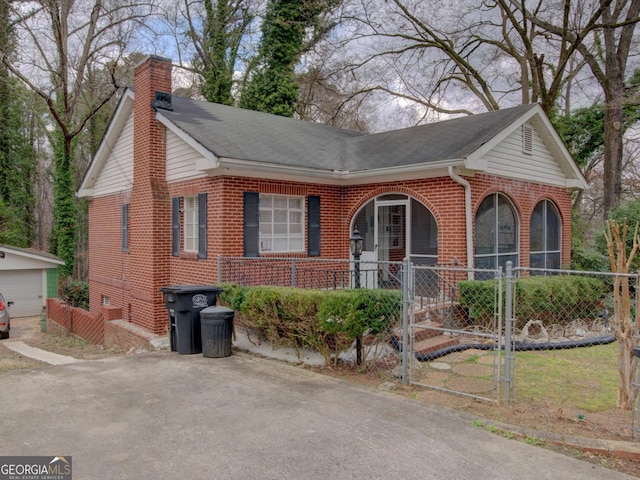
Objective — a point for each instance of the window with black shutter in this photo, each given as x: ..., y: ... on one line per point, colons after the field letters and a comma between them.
x: 202, y: 225
x: 175, y: 226
x: 313, y: 226
x: 125, y: 227
x: 251, y: 224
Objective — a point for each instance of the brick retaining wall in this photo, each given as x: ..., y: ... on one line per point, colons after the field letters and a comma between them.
x: 105, y: 328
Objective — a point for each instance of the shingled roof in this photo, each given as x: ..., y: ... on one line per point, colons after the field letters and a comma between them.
x: 254, y: 136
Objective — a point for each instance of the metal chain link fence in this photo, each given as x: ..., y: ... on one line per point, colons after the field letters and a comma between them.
x: 456, y: 331
x: 525, y: 334
x: 359, y: 322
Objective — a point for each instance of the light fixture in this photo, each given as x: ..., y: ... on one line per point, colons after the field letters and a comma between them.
x: 356, y: 243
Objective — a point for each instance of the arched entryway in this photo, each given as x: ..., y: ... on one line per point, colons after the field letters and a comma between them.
x: 394, y: 226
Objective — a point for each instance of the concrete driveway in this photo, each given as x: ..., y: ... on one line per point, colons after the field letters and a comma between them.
x: 170, y: 416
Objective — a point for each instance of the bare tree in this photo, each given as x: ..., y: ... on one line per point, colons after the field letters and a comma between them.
x: 60, y: 42
x: 461, y: 56
x: 606, y: 48
x: 624, y: 324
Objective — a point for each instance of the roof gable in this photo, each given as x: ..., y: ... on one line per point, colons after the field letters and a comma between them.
x: 232, y: 140
x: 123, y: 169
x: 449, y: 140
x: 15, y: 258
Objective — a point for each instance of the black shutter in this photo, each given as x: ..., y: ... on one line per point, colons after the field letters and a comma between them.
x: 251, y: 224
x: 125, y: 227
x: 175, y: 226
x: 313, y: 227
x: 202, y: 225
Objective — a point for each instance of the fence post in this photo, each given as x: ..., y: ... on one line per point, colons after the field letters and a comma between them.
x: 405, y: 320
x: 219, y: 274
x: 507, y: 332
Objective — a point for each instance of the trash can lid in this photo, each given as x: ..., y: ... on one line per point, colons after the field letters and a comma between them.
x: 215, y: 309
x: 190, y: 289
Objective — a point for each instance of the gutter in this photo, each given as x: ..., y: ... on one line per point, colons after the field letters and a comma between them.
x: 468, y: 220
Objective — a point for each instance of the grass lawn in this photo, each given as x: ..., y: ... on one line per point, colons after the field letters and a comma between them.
x: 586, y: 378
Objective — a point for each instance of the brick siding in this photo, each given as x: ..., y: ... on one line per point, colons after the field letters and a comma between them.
x: 131, y: 280
x: 62, y: 317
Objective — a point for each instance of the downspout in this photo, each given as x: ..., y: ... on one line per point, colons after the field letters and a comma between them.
x: 468, y: 220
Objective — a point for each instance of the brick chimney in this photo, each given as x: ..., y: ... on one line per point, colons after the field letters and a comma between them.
x: 150, y: 208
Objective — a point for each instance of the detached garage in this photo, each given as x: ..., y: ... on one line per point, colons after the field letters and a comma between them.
x: 27, y: 278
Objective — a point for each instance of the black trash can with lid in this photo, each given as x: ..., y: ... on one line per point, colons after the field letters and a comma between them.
x: 184, y: 303
x: 217, y: 331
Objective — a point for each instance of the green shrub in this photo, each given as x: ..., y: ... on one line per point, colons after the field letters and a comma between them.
x: 326, y: 321
x: 553, y: 300
x: 75, y: 293
x: 232, y: 295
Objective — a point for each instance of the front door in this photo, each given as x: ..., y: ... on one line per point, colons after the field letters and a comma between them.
x: 392, y: 240
x: 383, y: 225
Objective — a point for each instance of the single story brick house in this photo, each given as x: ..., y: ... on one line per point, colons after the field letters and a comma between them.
x: 177, y: 182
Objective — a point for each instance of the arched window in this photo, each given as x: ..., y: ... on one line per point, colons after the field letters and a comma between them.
x: 420, y: 240
x: 545, y: 247
x: 496, y: 233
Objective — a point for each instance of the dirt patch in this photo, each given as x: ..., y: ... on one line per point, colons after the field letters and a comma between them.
x: 29, y: 331
x: 12, y: 361
x: 72, y: 346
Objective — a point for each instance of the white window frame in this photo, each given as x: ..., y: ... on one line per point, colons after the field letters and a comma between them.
x: 496, y: 255
x: 546, y: 251
x: 191, y: 223
x: 291, y: 235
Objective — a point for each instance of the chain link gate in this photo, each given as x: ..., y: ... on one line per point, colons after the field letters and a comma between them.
x: 457, y: 342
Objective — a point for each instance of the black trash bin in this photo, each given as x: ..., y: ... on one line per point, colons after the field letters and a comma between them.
x: 184, y: 303
x: 217, y: 330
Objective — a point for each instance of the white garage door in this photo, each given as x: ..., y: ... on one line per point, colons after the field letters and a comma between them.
x: 24, y: 289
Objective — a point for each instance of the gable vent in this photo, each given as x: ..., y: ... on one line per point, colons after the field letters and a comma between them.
x: 527, y: 139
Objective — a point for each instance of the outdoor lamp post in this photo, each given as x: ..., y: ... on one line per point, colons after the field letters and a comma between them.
x: 355, y: 245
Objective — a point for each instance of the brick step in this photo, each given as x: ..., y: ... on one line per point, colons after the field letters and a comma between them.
x: 422, y: 331
x: 432, y: 311
x: 434, y: 344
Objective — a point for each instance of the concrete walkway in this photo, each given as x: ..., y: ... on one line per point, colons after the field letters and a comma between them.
x: 164, y: 415
x: 38, y: 354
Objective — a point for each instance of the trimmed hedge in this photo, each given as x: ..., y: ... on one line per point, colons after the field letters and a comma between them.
x: 75, y: 293
x: 325, y: 321
x: 553, y: 300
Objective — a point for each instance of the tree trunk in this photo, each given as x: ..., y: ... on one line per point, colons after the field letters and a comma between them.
x: 625, y: 373
x: 622, y: 322
x: 64, y: 203
x: 613, y: 147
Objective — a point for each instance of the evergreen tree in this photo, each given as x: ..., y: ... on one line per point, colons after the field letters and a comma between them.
x: 17, y: 158
x: 225, y: 24
x: 273, y: 87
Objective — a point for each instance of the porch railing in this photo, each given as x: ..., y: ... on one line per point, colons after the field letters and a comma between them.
x: 330, y: 274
